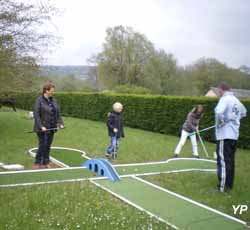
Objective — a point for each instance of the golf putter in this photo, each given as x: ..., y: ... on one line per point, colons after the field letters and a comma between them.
x: 203, y: 130
x: 115, y: 148
x: 202, y: 144
x: 46, y: 130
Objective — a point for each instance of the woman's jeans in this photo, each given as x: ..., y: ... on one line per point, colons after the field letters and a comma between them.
x: 45, y: 140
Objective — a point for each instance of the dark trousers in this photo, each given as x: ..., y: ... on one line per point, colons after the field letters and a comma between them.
x: 225, y: 163
x: 45, y: 140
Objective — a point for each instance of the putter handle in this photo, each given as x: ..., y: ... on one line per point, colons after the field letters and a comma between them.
x: 200, y: 131
x: 47, y: 130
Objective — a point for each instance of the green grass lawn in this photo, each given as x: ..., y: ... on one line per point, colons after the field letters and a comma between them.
x: 82, y: 205
x: 89, y: 136
x: 78, y: 205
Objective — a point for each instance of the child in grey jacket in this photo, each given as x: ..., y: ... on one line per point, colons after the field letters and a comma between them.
x: 191, y: 125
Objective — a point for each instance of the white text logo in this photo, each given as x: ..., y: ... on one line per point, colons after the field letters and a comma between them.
x: 240, y: 208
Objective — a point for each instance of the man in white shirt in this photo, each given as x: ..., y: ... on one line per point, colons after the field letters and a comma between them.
x: 228, y: 113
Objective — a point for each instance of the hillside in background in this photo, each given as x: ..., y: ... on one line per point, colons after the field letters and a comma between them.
x: 81, y: 72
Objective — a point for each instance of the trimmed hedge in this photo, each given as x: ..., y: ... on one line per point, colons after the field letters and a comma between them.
x: 164, y: 114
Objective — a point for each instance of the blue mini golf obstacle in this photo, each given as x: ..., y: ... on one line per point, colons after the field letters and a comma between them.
x: 102, y: 167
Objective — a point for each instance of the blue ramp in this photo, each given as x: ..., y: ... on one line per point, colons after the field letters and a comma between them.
x: 102, y: 167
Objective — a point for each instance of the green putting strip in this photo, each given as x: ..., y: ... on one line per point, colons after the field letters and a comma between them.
x: 174, y: 210
x: 170, y: 166
x: 68, y: 157
x: 68, y: 174
x: 44, y: 176
x: 73, y: 158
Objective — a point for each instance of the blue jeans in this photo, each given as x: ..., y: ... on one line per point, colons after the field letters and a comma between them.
x: 45, y: 141
x: 113, y: 145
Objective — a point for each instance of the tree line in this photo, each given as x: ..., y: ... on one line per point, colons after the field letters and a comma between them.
x: 127, y: 63
x: 24, y: 39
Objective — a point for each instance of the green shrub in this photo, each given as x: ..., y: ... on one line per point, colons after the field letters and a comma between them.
x: 127, y: 89
x: 162, y: 114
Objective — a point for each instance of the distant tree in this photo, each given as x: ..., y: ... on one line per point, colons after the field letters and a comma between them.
x: 22, y: 41
x: 94, y: 78
x: 160, y: 73
x: 124, y: 56
x: 93, y: 73
x: 208, y: 72
x: 129, y: 59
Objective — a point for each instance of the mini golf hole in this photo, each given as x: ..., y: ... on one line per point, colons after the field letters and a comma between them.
x: 102, y: 172
x: 90, y: 166
x: 96, y: 168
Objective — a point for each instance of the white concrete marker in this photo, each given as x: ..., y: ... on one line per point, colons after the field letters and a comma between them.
x: 13, y: 167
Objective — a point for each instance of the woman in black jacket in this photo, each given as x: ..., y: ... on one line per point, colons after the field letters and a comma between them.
x: 47, y: 119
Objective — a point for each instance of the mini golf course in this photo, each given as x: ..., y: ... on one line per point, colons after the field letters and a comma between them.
x: 177, y: 211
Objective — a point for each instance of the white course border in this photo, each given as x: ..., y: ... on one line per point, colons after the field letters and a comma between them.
x: 172, y: 171
x: 134, y: 176
x: 42, y: 183
x: 157, y: 173
x: 42, y: 170
x: 133, y: 204
x: 92, y: 178
x: 164, y: 162
x: 190, y: 200
x: 118, y: 165
x: 57, y: 162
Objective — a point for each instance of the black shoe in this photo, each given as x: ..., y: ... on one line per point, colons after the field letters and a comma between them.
x: 197, y: 157
x: 107, y: 155
x: 176, y: 155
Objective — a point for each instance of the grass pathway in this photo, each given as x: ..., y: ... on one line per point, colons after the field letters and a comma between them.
x: 179, y: 212
x: 138, y: 146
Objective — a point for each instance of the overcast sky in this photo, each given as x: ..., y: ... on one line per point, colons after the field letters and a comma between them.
x: 189, y: 29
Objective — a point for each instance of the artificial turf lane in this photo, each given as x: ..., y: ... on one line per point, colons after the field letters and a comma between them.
x: 176, y: 211
x: 83, y: 173
x: 68, y: 157
x: 44, y: 176
x: 180, y: 164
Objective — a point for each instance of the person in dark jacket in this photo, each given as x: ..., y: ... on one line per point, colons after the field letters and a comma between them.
x: 191, y: 125
x: 115, y: 129
x: 46, y: 116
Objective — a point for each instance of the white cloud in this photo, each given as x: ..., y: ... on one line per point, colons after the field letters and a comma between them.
x: 188, y: 29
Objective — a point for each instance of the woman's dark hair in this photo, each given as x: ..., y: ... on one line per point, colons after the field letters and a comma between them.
x: 48, y: 86
x: 197, y: 107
